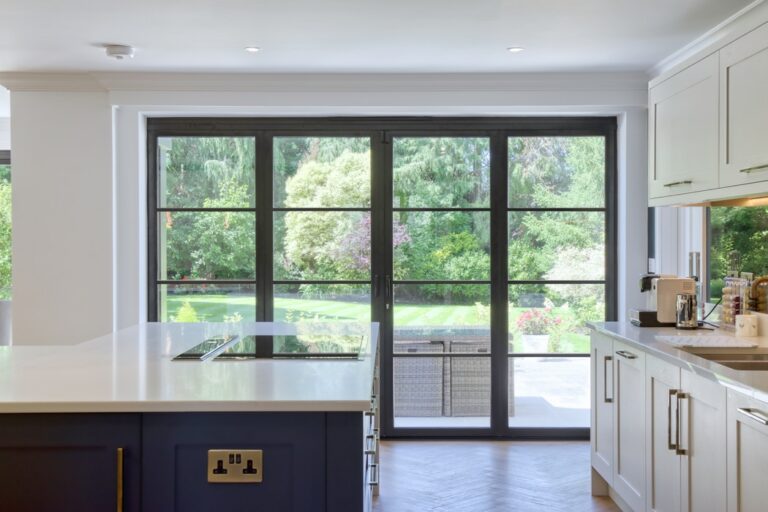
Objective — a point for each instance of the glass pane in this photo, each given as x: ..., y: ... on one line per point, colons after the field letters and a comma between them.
x: 322, y: 172
x: 322, y: 303
x: 556, y: 172
x: 552, y: 318
x: 441, y: 172
x: 438, y: 392
x: 556, y: 246
x: 442, y: 310
x: 206, y: 245
x: 207, y: 303
x: 322, y: 246
x: 5, y: 235
x: 206, y: 172
x: 549, y: 392
x: 441, y: 245
x: 744, y: 229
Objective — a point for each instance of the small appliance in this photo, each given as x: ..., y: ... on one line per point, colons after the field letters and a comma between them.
x: 661, y: 299
x: 687, y: 311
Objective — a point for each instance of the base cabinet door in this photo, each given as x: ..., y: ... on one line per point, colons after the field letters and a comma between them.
x: 663, y: 465
x: 601, y: 433
x: 70, y: 462
x: 629, y: 425
x: 747, y: 450
x: 175, y: 471
x: 702, y: 447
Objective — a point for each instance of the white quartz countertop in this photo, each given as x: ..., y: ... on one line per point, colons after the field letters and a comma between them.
x: 132, y: 371
x: 749, y: 382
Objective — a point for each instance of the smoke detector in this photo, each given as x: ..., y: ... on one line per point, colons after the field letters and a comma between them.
x: 119, y: 51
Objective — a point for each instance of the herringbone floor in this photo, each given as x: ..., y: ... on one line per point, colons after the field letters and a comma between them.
x: 486, y: 476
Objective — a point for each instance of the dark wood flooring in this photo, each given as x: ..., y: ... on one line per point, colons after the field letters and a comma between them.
x: 485, y: 476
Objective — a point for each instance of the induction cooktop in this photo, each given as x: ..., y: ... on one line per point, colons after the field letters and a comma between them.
x: 287, y: 346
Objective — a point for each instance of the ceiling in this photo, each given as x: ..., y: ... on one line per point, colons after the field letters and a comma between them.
x: 352, y: 36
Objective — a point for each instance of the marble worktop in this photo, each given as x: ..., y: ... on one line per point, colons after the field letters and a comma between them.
x: 749, y: 382
x: 132, y: 371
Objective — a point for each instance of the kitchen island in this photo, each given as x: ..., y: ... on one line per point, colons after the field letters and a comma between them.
x: 116, y: 424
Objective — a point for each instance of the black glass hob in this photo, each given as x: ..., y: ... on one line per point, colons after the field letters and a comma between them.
x: 302, y: 346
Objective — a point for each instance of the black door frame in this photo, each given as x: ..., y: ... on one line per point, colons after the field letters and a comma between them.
x: 381, y: 130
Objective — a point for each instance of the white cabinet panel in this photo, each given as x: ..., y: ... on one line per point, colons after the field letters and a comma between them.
x: 744, y: 109
x: 629, y: 425
x: 662, y: 462
x: 601, y: 433
x: 683, y: 131
x: 747, y: 454
x: 702, y: 409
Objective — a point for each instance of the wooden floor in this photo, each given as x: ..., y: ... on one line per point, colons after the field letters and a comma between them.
x: 480, y: 476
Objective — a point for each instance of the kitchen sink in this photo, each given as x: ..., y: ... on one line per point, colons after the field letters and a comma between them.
x: 746, y: 365
x: 747, y: 360
x: 732, y: 357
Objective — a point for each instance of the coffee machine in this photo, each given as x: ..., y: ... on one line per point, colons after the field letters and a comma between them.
x: 661, y: 299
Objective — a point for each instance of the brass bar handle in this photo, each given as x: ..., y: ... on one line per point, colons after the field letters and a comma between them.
x: 756, y: 168
x: 670, y: 445
x: 676, y: 183
x: 120, y: 461
x: 680, y: 450
x: 754, y: 414
x: 606, y: 399
x: 626, y: 354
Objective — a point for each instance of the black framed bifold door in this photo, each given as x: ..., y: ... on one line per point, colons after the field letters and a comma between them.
x: 482, y: 246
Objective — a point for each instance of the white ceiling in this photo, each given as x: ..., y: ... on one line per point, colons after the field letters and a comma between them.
x: 353, y: 35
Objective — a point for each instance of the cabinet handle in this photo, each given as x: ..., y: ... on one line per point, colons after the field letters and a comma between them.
x: 680, y: 450
x: 120, y: 458
x: 626, y: 354
x: 672, y: 446
x: 675, y: 183
x: 756, y: 168
x: 373, y: 480
x: 605, y: 379
x: 755, y: 414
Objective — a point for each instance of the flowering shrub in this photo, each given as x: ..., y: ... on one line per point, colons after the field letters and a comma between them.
x: 537, y: 321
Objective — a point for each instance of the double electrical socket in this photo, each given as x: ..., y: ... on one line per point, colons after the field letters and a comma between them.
x: 235, y: 466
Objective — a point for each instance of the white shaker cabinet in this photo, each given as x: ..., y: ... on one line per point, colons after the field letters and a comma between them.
x: 683, y: 131
x: 601, y: 434
x: 663, y: 468
x: 702, y: 411
x: 629, y: 425
x: 744, y: 109
x: 747, y: 454
x: 685, y: 433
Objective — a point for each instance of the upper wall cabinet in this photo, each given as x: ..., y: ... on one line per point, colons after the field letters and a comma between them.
x: 744, y: 109
x: 683, y: 131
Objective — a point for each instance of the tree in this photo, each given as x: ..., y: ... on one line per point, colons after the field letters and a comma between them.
x: 5, y: 240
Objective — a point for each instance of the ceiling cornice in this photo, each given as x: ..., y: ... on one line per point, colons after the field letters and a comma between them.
x: 745, y: 20
x: 299, y: 83
x: 60, y: 82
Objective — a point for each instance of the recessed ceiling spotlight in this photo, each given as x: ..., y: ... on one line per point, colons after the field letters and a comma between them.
x: 252, y: 49
x: 515, y: 49
x: 119, y: 51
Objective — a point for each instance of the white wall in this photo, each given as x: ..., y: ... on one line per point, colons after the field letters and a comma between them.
x: 135, y: 97
x: 62, y: 216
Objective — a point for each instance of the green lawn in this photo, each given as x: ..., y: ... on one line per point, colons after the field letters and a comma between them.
x: 231, y: 307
